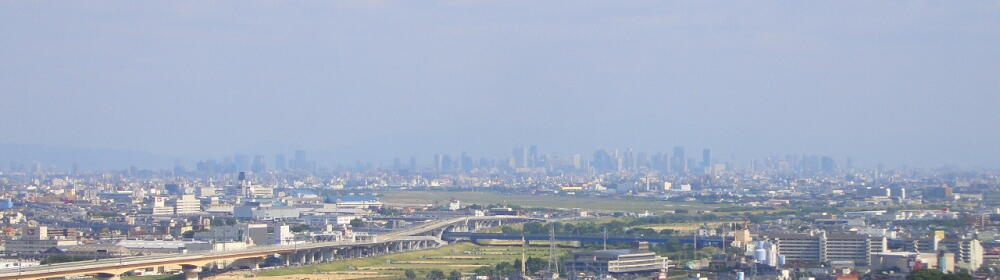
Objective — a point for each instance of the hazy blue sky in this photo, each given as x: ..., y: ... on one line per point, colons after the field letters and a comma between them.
x: 914, y: 82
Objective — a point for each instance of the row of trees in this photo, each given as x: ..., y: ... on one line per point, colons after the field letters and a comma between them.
x: 630, y: 227
x: 934, y: 274
x: 534, y: 265
x: 434, y: 275
x: 614, y: 228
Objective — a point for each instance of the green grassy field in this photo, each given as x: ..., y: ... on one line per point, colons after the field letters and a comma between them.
x: 541, y: 201
x: 464, y: 257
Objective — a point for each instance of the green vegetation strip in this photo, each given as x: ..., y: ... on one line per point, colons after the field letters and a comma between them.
x: 543, y: 201
x: 463, y: 257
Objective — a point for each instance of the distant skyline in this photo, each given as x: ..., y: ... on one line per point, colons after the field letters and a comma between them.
x: 895, y: 82
x: 66, y: 158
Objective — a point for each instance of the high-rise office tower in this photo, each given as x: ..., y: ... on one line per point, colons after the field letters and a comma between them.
x: 706, y: 158
x: 532, y: 159
x: 259, y: 165
x: 898, y: 192
x: 810, y: 163
x: 679, y: 160
x: 642, y: 160
x: 466, y: 163
x: 299, y: 161
x: 244, y: 185
x: 447, y: 164
x: 604, y: 161
x: 619, y: 164
x: 628, y: 160
x: 827, y: 164
x: 280, y: 162
x: 520, y: 155
x: 438, y: 163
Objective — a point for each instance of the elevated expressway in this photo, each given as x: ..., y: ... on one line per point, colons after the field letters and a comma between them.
x: 425, y: 235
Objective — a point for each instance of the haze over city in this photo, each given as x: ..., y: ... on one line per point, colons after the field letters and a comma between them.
x: 372, y: 80
x: 499, y: 140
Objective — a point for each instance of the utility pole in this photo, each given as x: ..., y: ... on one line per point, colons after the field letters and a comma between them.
x: 694, y: 247
x: 553, y: 268
x: 524, y: 256
x: 605, y: 238
x: 724, y: 237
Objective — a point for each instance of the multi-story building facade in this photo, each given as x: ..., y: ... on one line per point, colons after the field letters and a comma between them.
x: 822, y: 247
x: 187, y: 204
x: 617, y: 262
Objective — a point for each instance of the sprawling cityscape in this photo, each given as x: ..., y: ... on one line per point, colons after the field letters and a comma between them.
x: 617, y: 214
x: 499, y: 140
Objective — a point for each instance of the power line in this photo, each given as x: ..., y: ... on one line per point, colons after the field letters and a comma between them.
x: 553, y: 267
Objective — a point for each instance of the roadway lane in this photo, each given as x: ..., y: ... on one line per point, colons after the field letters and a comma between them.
x: 160, y: 259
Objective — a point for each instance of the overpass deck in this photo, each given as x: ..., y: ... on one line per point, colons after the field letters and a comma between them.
x: 138, y: 262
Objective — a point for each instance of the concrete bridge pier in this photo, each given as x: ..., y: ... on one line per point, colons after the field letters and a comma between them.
x: 217, y: 266
x: 332, y: 254
x: 486, y: 224
x: 328, y: 255
x: 190, y: 272
x: 317, y: 255
x: 301, y: 256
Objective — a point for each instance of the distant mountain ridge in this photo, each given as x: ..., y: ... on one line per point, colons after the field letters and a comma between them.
x: 86, y: 158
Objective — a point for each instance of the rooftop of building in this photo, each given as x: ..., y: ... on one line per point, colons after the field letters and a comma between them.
x: 616, y: 253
